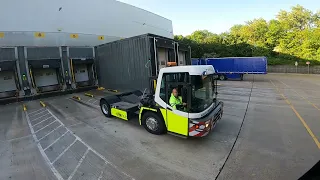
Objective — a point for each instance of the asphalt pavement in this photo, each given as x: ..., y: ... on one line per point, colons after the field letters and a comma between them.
x: 270, y: 130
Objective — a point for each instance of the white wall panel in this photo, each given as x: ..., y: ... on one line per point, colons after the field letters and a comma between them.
x: 113, y: 19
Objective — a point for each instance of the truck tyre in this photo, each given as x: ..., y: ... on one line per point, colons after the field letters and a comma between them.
x: 222, y: 77
x: 241, y: 77
x: 105, y: 108
x: 153, y: 123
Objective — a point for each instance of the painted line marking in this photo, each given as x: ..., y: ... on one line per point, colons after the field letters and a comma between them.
x: 42, y: 121
x: 76, y: 124
x: 46, y: 126
x: 47, y: 160
x: 36, y: 111
x: 45, y: 157
x: 78, y: 165
x: 50, y: 132
x: 56, y: 140
x: 19, y: 138
x: 94, y: 102
x: 315, y: 106
x: 94, y: 151
x: 101, y: 173
x: 39, y: 117
x: 64, y: 151
x: 299, y: 116
x: 89, y: 100
x: 284, y: 84
x: 96, y: 106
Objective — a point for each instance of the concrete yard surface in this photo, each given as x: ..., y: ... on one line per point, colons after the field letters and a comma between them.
x: 270, y: 129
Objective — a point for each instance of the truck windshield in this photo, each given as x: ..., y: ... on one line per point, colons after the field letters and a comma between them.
x: 202, y: 92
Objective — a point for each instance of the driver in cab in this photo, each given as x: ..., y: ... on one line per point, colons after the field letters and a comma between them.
x: 176, y: 100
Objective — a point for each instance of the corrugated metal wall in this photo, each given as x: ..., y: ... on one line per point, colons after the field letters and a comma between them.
x: 124, y: 65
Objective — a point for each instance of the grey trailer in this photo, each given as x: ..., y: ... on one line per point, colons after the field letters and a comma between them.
x: 9, y: 77
x: 128, y: 64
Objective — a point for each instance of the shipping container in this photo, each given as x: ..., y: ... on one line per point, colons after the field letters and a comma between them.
x: 129, y: 63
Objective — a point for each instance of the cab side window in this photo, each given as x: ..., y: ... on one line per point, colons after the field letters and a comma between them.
x: 167, y: 84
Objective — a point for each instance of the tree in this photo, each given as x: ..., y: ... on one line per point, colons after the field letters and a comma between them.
x: 293, y: 35
x: 298, y: 19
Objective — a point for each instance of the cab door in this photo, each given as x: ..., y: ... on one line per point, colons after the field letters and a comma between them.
x: 177, y: 119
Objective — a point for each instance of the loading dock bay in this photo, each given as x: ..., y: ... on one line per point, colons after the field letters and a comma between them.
x: 277, y: 115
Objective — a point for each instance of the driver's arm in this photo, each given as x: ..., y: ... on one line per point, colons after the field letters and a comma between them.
x: 173, y: 105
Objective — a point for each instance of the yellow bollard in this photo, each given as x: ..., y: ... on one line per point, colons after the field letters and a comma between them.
x: 100, y: 88
x: 87, y: 94
x: 77, y: 98
x: 42, y: 104
x: 112, y: 90
x: 24, y: 107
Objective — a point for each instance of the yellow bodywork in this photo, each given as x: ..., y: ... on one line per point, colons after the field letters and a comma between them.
x: 174, y: 123
x: 141, y: 111
x: 119, y: 113
x: 177, y: 124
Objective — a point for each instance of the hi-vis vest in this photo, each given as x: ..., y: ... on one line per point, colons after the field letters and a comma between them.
x: 175, y: 101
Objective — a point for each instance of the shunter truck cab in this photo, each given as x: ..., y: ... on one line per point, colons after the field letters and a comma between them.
x: 9, y: 81
x: 196, y: 118
x: 45, y: 69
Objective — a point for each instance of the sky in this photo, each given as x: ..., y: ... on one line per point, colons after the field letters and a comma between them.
x: 217, y: 16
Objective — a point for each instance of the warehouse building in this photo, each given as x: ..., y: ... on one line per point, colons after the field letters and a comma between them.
x: 48, y: 46
x: 75, y: 22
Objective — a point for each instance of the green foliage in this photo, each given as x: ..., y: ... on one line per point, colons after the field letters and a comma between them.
x: 293, y: 36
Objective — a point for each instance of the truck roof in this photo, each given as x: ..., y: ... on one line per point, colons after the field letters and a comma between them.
x: 192, y: 70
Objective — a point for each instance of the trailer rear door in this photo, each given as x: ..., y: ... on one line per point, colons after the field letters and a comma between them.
x: 182, y: 58
x: 162, y: 57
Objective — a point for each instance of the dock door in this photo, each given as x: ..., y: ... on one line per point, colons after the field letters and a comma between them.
x: 82, y: 66
x: 45, y: 68
x: 45, y: 75
x: 83, y: 72
x: 9, y: 81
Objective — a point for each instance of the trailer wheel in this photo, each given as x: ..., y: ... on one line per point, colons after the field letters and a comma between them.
x: 105, y: 108
x: 153, y: 123
x: 241, y: 77
x: 222, y: 77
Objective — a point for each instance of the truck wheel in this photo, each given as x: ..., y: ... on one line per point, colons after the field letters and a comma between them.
x: 153, y: 123
x: 222, y: 77
x: 241, y: 77
x: 105, y: 108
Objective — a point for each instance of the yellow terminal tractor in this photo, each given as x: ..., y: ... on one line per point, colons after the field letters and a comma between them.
x: 197, y: 109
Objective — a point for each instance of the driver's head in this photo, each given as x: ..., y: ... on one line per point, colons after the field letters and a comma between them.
x: 175, y: 92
